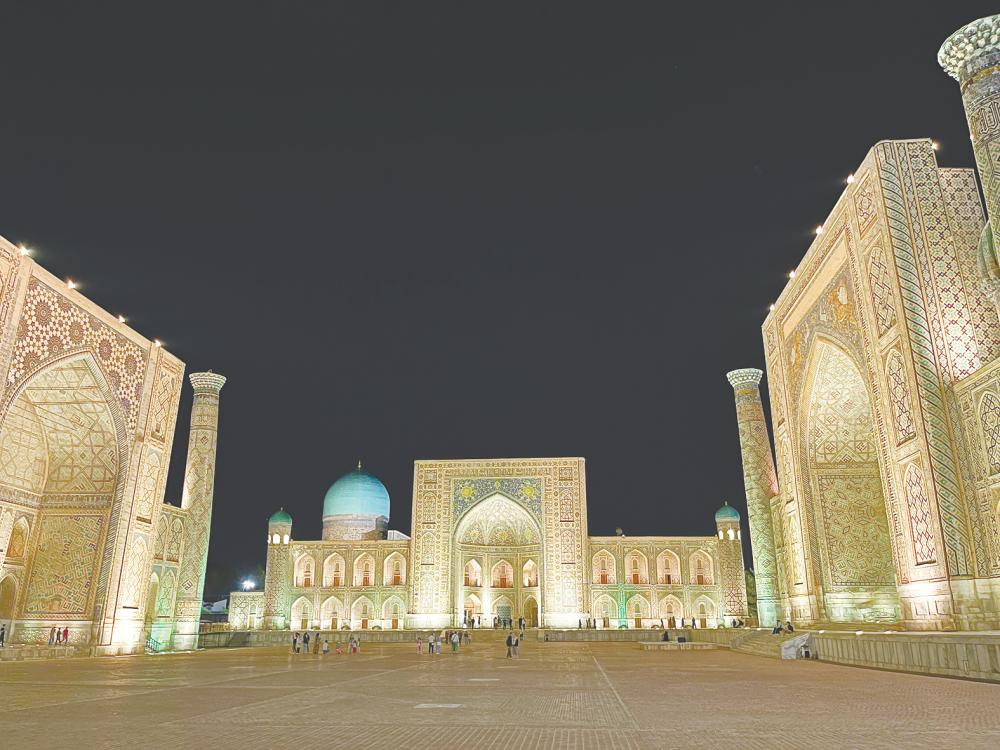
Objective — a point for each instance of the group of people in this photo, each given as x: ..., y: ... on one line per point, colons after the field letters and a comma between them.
x: 321, y: 645
x: 58, y: 636
x: 434, y: 642
x: 778, y: 628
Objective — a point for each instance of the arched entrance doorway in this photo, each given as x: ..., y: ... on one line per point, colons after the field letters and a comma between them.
x: 8, y: 598
x: 531, y: 612
x: 498, y: 543
x: 59, y: 442
x: 851, y: 546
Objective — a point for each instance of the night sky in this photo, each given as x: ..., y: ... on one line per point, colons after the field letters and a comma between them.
x: 427, y: 230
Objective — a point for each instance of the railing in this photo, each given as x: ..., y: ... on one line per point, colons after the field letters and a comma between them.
x: 153, y: 645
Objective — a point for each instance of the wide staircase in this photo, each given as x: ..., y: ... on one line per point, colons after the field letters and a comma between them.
x: 761, y: 643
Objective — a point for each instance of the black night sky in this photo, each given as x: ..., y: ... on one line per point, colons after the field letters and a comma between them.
x: 433, y: 230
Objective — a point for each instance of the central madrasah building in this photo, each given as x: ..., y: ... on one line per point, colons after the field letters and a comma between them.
x: 496, y: 538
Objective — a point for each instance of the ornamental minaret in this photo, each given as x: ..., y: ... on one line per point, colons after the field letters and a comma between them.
x: 972, y: 57
x: 761, y: 482
x: 199, y: 486
x: 277, y: 577
x: 733, y: 576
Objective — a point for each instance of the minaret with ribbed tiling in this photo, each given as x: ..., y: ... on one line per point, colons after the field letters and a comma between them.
x: 761, y: 482
x: 199, y: 486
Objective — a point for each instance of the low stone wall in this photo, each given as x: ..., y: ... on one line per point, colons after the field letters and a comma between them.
x: 970, y: 655
x: 254, y: 638
x: 19, y: 653
x: 719, y: 636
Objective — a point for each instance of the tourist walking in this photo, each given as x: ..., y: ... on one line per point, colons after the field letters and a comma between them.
x: 420, y: 643
x: 65, y: 635
x: 316, y: 640
x: 295, y: 643
x: 430, y: 645
x: 305, y: 643
x: 326, y: 647
x: 454, y: 642
x: 517, y: 647
x: 3, y: 634
x: 510, y: 645
x: 58, y: 636
x: 52, y: 636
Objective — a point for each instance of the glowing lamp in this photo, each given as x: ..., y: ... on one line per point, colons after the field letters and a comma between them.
x: 70, y: 283
x: 850, y: 179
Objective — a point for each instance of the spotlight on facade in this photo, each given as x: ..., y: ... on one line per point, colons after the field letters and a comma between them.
x: 249, y: 584
x: 770, y: 307
x: 935, y: 145
x: 850, y: 179
x: 24, y: 250
x: 70, y: 283
x: 819, y: 229
x: 157, y: 343
x: 791, y: 274
x: 121, y: 318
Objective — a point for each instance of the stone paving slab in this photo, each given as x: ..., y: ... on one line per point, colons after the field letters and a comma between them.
x: 557, y: 695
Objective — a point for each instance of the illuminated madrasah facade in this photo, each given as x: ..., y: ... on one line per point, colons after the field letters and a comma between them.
x: 883, y: 370
x: 87, y: 414
x: 490, y: 539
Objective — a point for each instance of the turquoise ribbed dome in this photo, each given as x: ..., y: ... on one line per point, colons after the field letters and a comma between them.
x: 280, y: 517
x: 727, y: 513
x: 357, y: 493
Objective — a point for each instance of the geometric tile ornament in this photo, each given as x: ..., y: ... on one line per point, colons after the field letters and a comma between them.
x: 87, y: 413
x: 901, y: 448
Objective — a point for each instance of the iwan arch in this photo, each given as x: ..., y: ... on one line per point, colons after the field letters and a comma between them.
x: 883, y: 365
x: 87, y: 414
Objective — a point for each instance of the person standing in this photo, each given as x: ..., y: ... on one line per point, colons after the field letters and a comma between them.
x: 430, y: 645
x: 58, y: 636
x: 66, y: 635
x: 510, y: 645
x: 305, y: 642
x: 326, y: 647
x: 454, y: 642
x: 295, y: 643
x: 52, y: 636
x: 3, y: 634
x: 316, y: 640
x: 420, y: 642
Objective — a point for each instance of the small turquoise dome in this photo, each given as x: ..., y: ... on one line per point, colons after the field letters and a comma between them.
x: 280, y: 517
x: 357, y: 493
x: 727, y: 513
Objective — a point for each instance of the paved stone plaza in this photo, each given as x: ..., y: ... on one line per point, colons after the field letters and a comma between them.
x: 565, y: 695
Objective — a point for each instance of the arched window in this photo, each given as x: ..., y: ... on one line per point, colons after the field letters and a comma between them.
x: 668, y: 568
x: 473, y: 574
x: 635, y: 563
x: 394, y: 572
x: 18, y: 542
x: 604, y: 568
x: 502, y: 576
x: 363, y: 567
x: 304, y: 571
x: 701, y: 569
x: 530, y: 574
x: 333, y: 571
